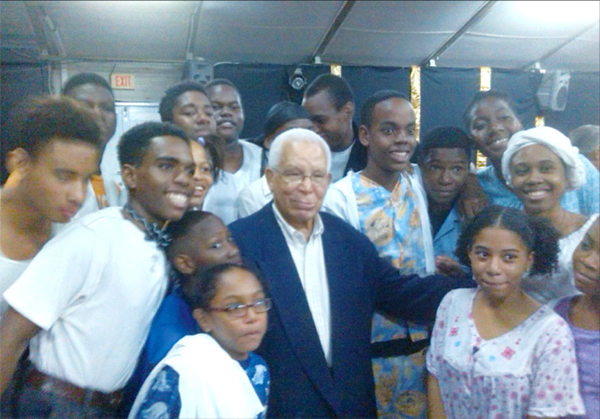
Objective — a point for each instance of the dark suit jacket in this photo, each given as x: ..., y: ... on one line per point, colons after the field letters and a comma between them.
x: 302, y: 384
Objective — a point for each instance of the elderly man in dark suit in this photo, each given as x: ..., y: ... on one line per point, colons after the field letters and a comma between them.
x: 326, y: 280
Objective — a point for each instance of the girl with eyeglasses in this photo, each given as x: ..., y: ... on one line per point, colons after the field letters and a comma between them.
x: 214, y: 374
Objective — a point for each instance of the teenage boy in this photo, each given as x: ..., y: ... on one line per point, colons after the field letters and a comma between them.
x: 386, y: 202
x: 87, y: 300
x: 330, y: 102
x: 444, y: 155
x: 106, y: 188
x: 56, y: 147
x: 241, y: 158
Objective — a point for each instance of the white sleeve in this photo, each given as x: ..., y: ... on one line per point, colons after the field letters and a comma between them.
x: 62, y: 274
x: 340, y: 200
x: 245, y: 203
x: 421, y: 197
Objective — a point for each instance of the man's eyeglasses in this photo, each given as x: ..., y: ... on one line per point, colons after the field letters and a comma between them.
x: 240, y: 310
x: 295, y: 179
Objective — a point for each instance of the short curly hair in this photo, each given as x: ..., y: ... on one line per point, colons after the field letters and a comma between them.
x: 180, y: 230
x: 37, y: 120
x: 167, y: 103
x: 537, y: 234
x: 444, y: 137
x: 135, y: 142
x: 337, y: 88
x: 480, y: 97
x: 366, y: 112
x: 86, y: 78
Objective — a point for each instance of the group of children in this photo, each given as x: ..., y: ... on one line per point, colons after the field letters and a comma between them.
x: 495, y: 351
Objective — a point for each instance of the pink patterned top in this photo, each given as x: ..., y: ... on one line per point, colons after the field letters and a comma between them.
x: 530, y: 370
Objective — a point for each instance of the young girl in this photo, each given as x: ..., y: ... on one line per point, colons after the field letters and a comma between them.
x: 583, y: 315
x: 496, y: 352
x: 203, y: 178
x: 214, y: 374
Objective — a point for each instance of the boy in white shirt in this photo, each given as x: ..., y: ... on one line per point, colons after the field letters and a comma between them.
x: 87, y: 300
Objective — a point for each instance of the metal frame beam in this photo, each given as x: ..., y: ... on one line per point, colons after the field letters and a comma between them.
x: 193, y: 30
x: 335, y: 26
x: 561, y: 46
x: 479, y: 14
x: 46, y: 32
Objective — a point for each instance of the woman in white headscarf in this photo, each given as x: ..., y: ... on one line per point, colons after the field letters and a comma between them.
x: 540, y: 164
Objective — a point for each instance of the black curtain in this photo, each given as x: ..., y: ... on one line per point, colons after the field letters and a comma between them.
x: 365, y: 81
x: 445, y: 93
x: 521, y: 87
x: 17, y: 82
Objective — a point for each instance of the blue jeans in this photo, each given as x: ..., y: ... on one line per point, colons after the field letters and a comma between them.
x: 41, y: 404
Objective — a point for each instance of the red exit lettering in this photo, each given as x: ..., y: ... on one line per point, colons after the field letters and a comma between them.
x: 122, y: 81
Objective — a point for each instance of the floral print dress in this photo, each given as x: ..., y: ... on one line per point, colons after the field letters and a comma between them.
x: 530, y: 370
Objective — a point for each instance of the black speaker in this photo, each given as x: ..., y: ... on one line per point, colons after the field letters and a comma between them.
x: 554, y: 90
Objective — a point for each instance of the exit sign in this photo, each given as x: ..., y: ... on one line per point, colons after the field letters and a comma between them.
x: 122, y: 81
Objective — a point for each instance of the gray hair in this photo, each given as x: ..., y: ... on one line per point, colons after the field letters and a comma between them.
x: 296, y: 134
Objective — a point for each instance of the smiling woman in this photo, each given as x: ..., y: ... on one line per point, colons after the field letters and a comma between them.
x: 540, y: 164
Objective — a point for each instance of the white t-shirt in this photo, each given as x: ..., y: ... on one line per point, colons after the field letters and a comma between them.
x: 339, y: 161
x: 10, y: 270
x: 253, y: 197
x: 94, y: 290
x: 221, y: 197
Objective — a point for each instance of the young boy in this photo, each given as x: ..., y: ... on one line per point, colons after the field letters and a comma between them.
x: 87, y: 299
x: 387, y: 203
x: 198, y: 240
x: 107, y: 188
x: 56, y: 147
x: 443, y: 155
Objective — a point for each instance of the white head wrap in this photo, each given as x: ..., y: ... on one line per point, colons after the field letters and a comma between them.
x: 557, y: 142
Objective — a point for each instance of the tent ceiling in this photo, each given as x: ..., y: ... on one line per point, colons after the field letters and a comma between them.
x: 503, y: 34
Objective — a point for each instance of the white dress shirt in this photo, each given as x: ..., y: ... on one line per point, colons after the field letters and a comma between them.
x: 310, y: 263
